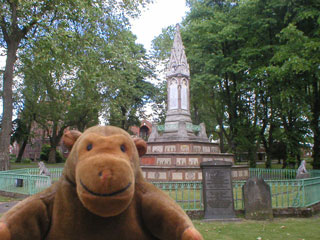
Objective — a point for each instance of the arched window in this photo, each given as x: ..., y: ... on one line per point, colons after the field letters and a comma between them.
x: 144, y: 132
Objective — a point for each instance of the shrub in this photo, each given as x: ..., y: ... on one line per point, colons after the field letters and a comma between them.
x: 26, y: 160
x: 13, y: 157
x: 44, y: 155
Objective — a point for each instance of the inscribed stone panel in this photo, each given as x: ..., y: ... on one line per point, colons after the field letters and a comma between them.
x: 228, y: 159
x: 206, y: 149
x: 193, y: 161
x: 176, y: 176
x: 184, y: 94
x: 184, y: 148
x: 151, y: 175
x: 181, y: 161
x: 173, y: 94
x: 190, y: 175
x: 234, y: 174
x: 157, y: 149
x: 164, y: 161
x: 170, y: 148
x: 162, y: 176
x: 196, y: 148
x: 215, y: 149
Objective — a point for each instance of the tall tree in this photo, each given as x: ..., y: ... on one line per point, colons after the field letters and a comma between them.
x: 21, y: 21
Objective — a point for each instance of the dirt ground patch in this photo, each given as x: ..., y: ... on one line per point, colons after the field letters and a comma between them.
x: 5, y: 206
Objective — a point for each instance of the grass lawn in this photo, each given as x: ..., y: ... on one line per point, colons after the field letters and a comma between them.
x: 289, y: 228
x: 7, y: 199
x: 14, y: 165
x: 278, y: 229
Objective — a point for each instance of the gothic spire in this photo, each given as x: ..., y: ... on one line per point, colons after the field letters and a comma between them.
x: 178, y: 61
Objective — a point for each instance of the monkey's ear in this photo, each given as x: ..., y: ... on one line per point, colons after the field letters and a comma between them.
x: 70, y: 137
x: 141, y: 146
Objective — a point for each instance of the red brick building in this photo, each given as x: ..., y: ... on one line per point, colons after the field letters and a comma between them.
x: 143, y: 131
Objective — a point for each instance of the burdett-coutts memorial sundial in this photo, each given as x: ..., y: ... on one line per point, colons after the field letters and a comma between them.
x: 176, y: 149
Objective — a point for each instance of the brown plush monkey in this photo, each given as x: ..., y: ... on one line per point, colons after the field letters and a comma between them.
x: 100, y: 196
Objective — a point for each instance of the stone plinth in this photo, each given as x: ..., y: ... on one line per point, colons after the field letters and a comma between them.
x: 181, y: 160
x: 217, y: 191
x: 178, y: 174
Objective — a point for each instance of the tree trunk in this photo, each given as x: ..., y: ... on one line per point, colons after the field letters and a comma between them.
x: 222, y: 150
x: 21, y: 150
x: 6, y: 128
x: 252, y: 157
x: 284, y: 162
x: 24, y: 143
x: 315, y: 125
x: 269, y: 160
x: 52, y: 155
x: 316, y: 150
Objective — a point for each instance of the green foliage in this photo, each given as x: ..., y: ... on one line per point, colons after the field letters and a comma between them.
x: 13, y: 157
x: 254, y: 71
x: 161, y: 45
x: 44, y: 154
x: 26, y: 160
x: 57, y: 27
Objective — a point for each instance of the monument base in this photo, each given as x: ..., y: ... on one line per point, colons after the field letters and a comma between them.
x: 180, y: 160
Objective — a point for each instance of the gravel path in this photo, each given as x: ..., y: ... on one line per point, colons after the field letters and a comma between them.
x: 5, y: 206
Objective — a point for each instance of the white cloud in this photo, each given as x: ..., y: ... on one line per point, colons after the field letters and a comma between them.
x: 157, y: 16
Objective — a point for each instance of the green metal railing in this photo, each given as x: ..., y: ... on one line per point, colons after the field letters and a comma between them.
x: 55, y: 173
x: 187, y: 194
x: 285, y: 190
x: 284, y: 193
x: 279, y: 174
x: 23, y: 183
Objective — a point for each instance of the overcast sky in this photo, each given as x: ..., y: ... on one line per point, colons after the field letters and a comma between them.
x: 158, y: 15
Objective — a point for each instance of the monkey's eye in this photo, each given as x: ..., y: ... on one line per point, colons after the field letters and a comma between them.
x: 123, y: 148
x: 89, y: 146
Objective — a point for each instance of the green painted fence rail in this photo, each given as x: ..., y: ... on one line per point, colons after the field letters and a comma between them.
x: 279, y: 174
x: 23, y: 183
x: 286, y: 191
x: 187, y: 194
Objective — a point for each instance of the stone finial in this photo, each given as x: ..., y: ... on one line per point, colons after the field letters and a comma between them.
x: 178, y: 61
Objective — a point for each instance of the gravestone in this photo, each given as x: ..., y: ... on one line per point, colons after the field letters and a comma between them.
x: 217, y: 190
x: 257, y: 199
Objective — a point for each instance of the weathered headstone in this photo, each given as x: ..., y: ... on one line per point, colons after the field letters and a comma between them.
x: 302, y: 171
x: 217, y: 191
x: 257, y: 199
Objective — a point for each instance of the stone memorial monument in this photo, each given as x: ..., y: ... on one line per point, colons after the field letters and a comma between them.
x: 257, y: 199
x: 176, y: 149
x: 217, y: 191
